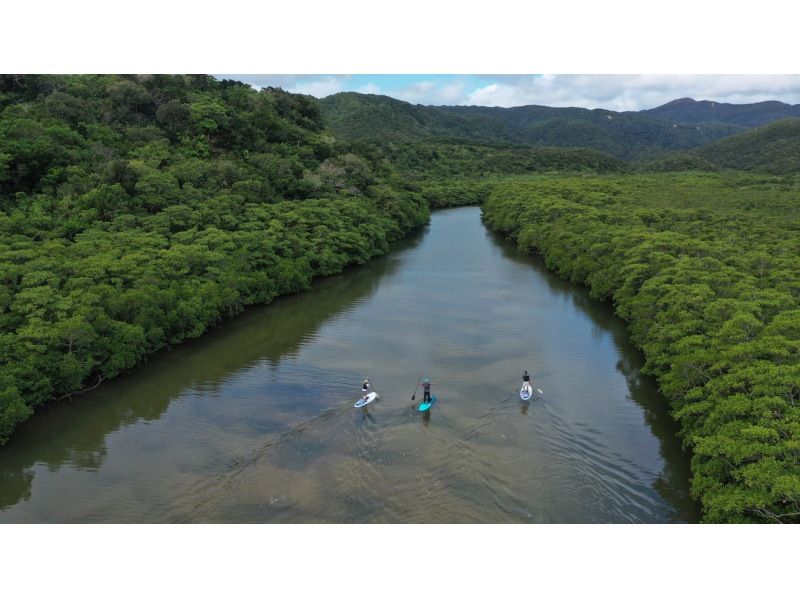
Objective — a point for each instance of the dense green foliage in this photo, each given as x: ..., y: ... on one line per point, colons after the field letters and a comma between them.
x: 455, y: 174
x: 361, y: 117
x: 773, y: 148
x: 427, y: 160
x: 706, y: 269
x: 687, y: 110
x: 135, y: 212
x: 676, y: 162
x: 626, y: 135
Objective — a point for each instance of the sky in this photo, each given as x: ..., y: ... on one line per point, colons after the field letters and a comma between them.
x: 612, y: 92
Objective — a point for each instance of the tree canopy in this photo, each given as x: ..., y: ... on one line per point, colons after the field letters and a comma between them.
x: 705, y: 268
x: 137, y: 211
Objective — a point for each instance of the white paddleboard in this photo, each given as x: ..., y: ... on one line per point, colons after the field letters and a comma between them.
x: 524, y: 393
x: 366, y: 400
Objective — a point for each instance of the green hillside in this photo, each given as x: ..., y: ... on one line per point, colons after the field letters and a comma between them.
x: 687, y: 110
x: 773, y: 148
x: 625, y: 135
x: 361, y: 117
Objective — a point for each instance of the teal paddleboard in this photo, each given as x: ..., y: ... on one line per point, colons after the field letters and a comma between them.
x: 425, y: 406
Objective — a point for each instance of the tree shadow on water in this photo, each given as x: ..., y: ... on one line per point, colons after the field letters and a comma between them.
x: 75, y: 433
x: 673, y: 482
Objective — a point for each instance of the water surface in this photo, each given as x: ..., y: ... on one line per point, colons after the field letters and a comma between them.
x: 255, y: 421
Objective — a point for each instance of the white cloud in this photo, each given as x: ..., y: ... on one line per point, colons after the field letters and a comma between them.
x: 632, y: 92
x: 259, y: 81
x: 612, y: 92
x: 417, y: 93
x: 369, y: 88
x: 319, y: 88
x: 316, y: 85
x: 452, y: 93
x: 433, y: 92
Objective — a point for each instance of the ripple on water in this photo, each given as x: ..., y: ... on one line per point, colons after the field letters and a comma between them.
x: 255, y: 423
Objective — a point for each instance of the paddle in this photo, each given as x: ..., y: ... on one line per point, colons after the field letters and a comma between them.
x: 414, y: 396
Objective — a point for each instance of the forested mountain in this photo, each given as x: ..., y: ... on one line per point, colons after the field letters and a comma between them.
x: 367, y: 117
x: 626, y: 135
x: 687, y: 110
x: 773, y: 148
x: 136, y: 211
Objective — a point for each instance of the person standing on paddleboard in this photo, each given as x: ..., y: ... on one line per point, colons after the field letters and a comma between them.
x: 426, y: 388
x: 526, y: 382
x: 365, y: 388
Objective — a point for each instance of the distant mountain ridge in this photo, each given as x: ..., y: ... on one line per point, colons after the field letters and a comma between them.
x: 625, y: 135
x: 688, y: 110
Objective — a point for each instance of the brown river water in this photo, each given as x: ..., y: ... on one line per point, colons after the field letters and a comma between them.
x: 255, y: 423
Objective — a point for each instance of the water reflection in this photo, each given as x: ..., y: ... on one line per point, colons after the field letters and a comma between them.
x: 255, y: 422
x: 673, y: 481
x: 75, y: 432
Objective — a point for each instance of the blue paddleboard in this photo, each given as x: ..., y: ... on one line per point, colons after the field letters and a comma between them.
x: 425, y: 406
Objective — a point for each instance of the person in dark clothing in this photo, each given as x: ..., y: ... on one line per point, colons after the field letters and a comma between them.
x: 526, y: 382
x: 365, y: 388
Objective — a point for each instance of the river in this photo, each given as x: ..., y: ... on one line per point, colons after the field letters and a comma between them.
x: 254, y: 422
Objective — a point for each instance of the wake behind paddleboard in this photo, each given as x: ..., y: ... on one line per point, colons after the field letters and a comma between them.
x: 366, y: 400
x: 425, y: 406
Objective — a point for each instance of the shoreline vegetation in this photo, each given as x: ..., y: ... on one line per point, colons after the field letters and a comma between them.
x: 138, y: 211
x: 704, y: 268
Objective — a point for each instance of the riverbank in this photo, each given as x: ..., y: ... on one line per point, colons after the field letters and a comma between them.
x: 254, y: 421
x: 705, y: 270
x: 178, y: 285
x: 137, y: 211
